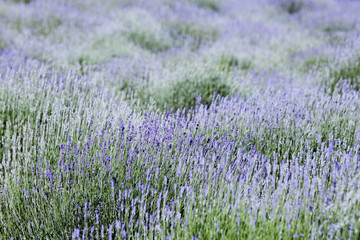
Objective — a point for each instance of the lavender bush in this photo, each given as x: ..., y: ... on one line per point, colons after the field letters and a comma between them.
x: 192, y: 119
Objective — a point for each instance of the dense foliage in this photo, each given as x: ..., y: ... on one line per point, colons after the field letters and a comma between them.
x: 184, y: 119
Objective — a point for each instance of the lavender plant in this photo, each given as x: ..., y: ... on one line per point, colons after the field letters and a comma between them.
x: 189, y: 33
x: 176, y: 120
x: 209, y: 4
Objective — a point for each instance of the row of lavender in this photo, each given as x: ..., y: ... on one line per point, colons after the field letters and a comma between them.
x: 281, y: 164
x: 162, y: 38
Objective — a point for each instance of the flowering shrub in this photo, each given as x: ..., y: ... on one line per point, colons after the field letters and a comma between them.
x: 194, y: 90
x: 148, y: 41
x: 177, y: 120
x: 189, y: 33
x: 350, y: 72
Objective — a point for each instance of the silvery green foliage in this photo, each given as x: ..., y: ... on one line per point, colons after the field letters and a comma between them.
x: 194, y: 119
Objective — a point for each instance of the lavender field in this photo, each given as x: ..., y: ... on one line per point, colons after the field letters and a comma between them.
x: 180, y: 119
